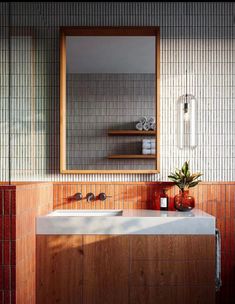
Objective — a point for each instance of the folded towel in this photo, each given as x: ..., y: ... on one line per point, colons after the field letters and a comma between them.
x: 139, y: 126
x: 151, y: 120
x: 143, y: 120
x: 152, y: 126
x: 148, y: 151
x: 148, y: 145
x: 148, y: 141
x: 146, y: 126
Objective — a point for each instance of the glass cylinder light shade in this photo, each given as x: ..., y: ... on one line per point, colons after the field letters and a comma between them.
x: 187, y: 121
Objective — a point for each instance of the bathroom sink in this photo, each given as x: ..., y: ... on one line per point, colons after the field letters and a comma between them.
x: 86, y: 213
x: 127, y: 221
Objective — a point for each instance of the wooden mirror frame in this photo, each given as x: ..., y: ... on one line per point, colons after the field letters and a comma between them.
x: 106, y: 31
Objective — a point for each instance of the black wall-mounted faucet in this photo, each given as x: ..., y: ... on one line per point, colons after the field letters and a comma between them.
x: 90, y: 197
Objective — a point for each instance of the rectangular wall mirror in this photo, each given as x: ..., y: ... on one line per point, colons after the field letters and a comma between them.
x: 109, y: 100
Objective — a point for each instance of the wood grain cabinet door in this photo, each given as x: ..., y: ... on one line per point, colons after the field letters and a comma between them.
x: 172, y: 269
x: 106, y: 269
x: 112, y: 269
x: 59, y: 269
x: 171, y: 295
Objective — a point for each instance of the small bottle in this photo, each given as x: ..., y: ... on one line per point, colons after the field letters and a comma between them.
x: 164, y: 200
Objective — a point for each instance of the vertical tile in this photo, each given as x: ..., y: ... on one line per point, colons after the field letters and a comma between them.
x: 1, y: 227
x: 7, y: 296
x: 7, y: 202
x: 210, y: 78
x: 1, y: 201
x: 7, y: 227
x: 7, y: 252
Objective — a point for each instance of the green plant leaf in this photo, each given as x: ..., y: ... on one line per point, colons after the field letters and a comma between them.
x: 196, y: 175
x: 189, y: 179
x: 193, y: 184
x: 185, y: 168
x: 181, y: 175
x: 183, y: 178
x: 177, y: 172
x: 173, y: 176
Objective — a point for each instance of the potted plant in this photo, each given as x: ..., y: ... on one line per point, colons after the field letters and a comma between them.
x: 184, y: 180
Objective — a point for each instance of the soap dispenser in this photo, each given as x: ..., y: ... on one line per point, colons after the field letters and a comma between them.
x: 164, y: 200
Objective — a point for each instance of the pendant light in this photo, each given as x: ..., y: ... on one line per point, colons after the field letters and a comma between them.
x: 187, y: 118
x: 187, y: 107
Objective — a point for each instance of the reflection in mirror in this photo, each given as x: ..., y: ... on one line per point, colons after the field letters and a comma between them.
x: 110, y: 103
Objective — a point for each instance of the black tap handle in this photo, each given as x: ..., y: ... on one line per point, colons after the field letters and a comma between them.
x: 102, y: 196
x: 90, y: 197
x: 78, y: 196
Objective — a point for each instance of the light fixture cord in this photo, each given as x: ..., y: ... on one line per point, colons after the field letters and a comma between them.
x: 186, y: 27
x: 9, y: 93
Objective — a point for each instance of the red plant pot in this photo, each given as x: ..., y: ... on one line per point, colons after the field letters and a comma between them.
x: 183, y: 201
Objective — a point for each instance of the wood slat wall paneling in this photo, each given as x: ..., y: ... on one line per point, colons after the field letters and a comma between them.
x: 19, y: 205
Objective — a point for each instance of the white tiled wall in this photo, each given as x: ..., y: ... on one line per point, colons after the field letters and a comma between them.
x: 200, y: 34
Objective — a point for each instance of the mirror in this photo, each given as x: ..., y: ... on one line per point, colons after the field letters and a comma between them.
x: 109, y: 100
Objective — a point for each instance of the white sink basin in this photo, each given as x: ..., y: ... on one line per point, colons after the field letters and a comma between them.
x: 83, y: 212
x: 132, y: 221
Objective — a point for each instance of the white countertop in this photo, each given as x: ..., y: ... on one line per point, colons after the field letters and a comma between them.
x: 132, y: 221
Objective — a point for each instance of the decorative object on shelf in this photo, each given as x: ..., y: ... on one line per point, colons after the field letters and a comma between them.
x: 184, y: 180
x: 143, y: 120
x: 146, y: 124
x: 148, y: 146
x: 152, y: 126
x: 139, y: 126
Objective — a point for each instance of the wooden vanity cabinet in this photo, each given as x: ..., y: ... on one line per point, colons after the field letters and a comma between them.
x: 137, y: 269
x: 59, y: 269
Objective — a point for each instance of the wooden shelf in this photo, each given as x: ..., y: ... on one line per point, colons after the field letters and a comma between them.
x: 131, y: 133
x: 132, y: 156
